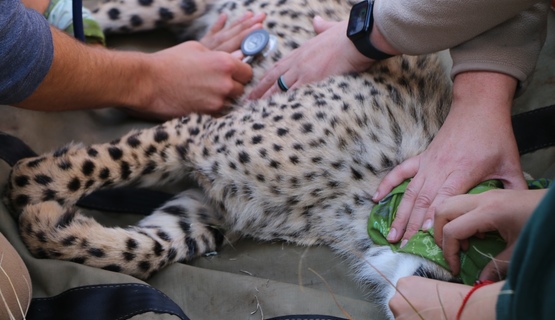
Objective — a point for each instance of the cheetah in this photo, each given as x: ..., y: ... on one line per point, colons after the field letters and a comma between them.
x: 299, y: 166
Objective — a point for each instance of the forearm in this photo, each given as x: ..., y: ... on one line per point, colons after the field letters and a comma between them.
x: 482, y: 303
x: 422, y: 298
x: 483, y: 98
x: 79, y: 73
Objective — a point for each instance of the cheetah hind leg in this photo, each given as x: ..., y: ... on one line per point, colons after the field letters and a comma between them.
x: 180, y: 230
x: 126, y: 16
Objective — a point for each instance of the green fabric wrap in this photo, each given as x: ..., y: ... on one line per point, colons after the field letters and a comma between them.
x: 480, y: 251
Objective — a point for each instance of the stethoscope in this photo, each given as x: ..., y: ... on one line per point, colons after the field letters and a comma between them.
x: 258, y: 42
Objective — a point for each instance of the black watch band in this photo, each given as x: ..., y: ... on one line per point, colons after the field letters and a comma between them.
x: 360, y: 25
x: 365, y: 46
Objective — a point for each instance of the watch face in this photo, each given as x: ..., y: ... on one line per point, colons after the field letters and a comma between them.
x: 359, y: 19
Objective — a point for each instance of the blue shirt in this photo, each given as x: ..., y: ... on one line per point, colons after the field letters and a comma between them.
x: 26, y: 51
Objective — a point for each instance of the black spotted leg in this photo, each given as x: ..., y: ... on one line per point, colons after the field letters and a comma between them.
x: 44, y: 189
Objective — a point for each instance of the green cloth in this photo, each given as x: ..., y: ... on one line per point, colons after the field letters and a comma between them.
x: 480, y: 251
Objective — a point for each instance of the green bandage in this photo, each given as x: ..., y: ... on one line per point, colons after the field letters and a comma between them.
x: 480, y: 251
x: 59, y: 14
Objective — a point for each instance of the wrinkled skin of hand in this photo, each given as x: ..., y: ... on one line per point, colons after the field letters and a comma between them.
x: 476, y: 143
x: 461, y: 217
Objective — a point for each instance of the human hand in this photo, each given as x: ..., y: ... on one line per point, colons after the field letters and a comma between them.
x: 433, y: 299
x: 191, y: 78
x: 228, y: 39
x: 476, y: 143
x: 329, y: 53
x: 461, y: 217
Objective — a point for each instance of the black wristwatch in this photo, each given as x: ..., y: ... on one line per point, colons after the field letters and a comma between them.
x: 360, y: 27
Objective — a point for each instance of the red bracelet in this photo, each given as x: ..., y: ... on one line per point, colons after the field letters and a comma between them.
x: 477, y: 286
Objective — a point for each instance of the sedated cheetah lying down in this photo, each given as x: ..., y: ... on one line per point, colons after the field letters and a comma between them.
x: 300, y: 166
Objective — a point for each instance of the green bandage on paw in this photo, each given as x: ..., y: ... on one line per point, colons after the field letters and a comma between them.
x: 59, y: 14
x: 480, y: 251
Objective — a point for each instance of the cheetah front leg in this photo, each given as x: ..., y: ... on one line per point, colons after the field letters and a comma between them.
x: 144, y: 157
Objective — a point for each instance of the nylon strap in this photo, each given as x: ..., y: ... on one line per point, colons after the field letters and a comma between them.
x: 125, y: 200
x: 13, y: 149
x: 535, y: 129
x: 106, y: 302
x: 307, y: 317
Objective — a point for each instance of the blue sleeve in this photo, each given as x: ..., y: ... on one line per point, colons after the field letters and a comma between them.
x: 528, y: 290
x: 26, y: 51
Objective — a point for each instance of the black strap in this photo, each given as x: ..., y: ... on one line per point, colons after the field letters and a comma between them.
x: 307, y: 317
x: 125, y: 200
x: 13, y: 149
x: 104, y: 302
x: 535, y: 129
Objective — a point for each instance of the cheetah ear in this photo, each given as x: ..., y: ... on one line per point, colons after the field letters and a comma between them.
x: 12, y: 149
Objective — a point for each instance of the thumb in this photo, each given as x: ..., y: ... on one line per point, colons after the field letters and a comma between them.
x: 517, y: 183
x: 498, y: 267
x: 238, y: 54
x: 320, y: 25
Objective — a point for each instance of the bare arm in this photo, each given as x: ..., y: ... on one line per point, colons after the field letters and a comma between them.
x: 433, y: 299
x: 79, y: 73
x: 164, y: 84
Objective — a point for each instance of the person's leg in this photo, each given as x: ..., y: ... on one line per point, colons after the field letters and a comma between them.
x: 15, y: 283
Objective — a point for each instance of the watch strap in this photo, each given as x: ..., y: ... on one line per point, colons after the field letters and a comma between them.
x: 361, y: 39
x: 365, y: 46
